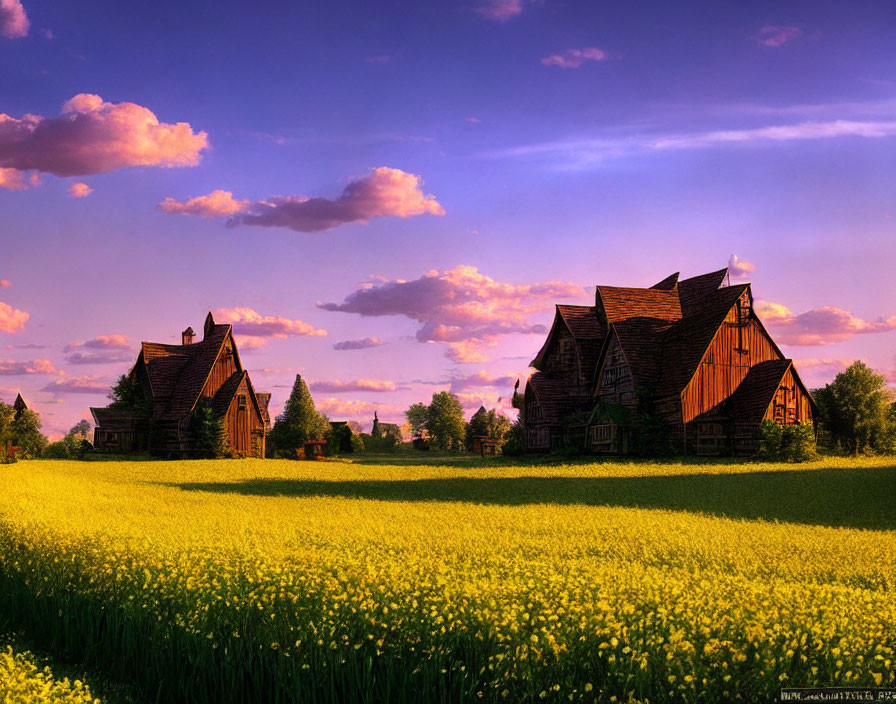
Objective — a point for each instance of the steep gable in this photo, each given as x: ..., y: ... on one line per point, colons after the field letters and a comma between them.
x: 619, y: 303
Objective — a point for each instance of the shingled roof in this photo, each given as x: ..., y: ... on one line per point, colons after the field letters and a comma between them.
x: 751, y: 398
x: 582, y: 322
x: 623, y: 303
x: 553, y: 397
x: 177, y: 373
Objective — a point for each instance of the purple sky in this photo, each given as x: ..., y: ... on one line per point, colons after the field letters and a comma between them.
x: 390, y: 196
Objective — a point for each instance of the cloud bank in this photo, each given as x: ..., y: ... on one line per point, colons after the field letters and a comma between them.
x: 252, y: 329
x: 12, y: 319
x: 12, y: 367
x: 382, y: 192
x: 338, y: 386
x: 739, y: 269
x: 774, y: 35
x: 103, y: 349
x: 574, y: 58
x: 13, y: 19
x: 363, y: 344
x: 461, y: 307
x: 826, y: 325
x: 68, y: 384
x: 92, y: 136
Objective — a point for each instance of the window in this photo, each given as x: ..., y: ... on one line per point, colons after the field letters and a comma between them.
x: 610, y: 376
x: 534, y: 412
x: 241, y: 402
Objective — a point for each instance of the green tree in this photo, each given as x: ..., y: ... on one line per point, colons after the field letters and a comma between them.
x: 7, y: 413
x: 126, y: 393
x: 299, y: 423
x: 26, y: 434
x: 445, y: 421
x: 417, y: 416
x: 854, y: 410
x: 81, y: 429
x: 209, y: 431
x: 488, y: 424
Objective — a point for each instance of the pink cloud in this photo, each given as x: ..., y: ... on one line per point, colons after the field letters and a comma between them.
x: 12, y: 319
x: 383, y: 192
x: 11, y: 367
x: 363, y: 344
x: 15, y: 180
x: 820, y: 326
x: 362, y: 411
x: 4, y: 283
x: 338, y: 386
x: 79, y: 190
x: 774, y: 36
x: 481, y: 379
x: 103, y: 349
x: 92, y: 136
x: 574, y: 58
x: 216, y: 204
x: 13, y: 20
x: 460, y: 306
x: 500, y: 10
x: 472, y: 403
x: 66, y: 383
x: 254, y: 329
x: 739, y: 269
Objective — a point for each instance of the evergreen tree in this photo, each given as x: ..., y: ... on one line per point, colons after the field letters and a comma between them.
x: 445, y: 421
x: 855, y: 411
x: 209, y: 431
x: 299, y: 423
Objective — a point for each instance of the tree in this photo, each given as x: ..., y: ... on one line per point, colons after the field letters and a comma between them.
x: 7, y: 413
x: 445, y: 421
x: 209, y: 431
x: 855, y: 411
x: 417, y: 416
x: 81, y: 429
x: 127, y: 394
x: 487, y: 424
x: 26, y: 434
x: 299, y: 423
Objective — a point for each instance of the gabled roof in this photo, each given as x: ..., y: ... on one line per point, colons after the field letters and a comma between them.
x: 110, y: 418
x: 621, y: 303
x: 686, y: 342
x: 552, y: 396
x: 639, y: 338
x: 692, y: 291
x: 668, y: 283
x: 582, y: 322
x: 751, y: 398
x: 222, y: 400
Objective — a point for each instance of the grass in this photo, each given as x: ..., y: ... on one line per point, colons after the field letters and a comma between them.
x: 455, y: 579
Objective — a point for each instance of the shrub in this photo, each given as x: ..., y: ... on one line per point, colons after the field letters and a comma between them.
x: 514, y: 441
x: 791, y: 443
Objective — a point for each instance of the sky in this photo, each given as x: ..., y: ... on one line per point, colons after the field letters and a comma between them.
x: 390, y: 197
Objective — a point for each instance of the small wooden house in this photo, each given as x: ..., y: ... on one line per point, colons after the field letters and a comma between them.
x: 691, y: 356
x: 170, y: 381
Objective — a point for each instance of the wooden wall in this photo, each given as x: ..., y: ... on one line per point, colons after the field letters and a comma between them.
x: 791, y: 403
x: 224, y: 368
x: 735, y: 348
x: 614, y: 379
x: 243, y: 423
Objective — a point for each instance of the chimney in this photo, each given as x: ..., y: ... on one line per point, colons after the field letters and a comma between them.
x: 186, y: 336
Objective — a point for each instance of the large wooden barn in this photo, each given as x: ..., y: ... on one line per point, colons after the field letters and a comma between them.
x: 688, y: 357
x: 169, y: 381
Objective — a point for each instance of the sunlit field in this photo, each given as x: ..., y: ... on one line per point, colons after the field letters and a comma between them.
x: 22, y: 681
x: 279, y: 581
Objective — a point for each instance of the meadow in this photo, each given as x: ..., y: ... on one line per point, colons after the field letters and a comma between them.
x: 474, y: 580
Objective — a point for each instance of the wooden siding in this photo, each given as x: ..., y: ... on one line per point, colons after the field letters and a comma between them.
x: 737, y: 346
x: 614, y: 379
x: 563, y: 359
x: 791, y: 404
x: 225, y: 367
x: 243, y: 423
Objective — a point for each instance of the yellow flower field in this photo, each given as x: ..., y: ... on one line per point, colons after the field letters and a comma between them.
x: 284, y: 581
x: 23, y: 682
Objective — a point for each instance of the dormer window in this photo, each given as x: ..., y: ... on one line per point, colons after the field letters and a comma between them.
x: 241, y: 402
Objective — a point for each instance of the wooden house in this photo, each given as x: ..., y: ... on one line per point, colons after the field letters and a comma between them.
x: 170, y: 381
x: 689, y: 356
